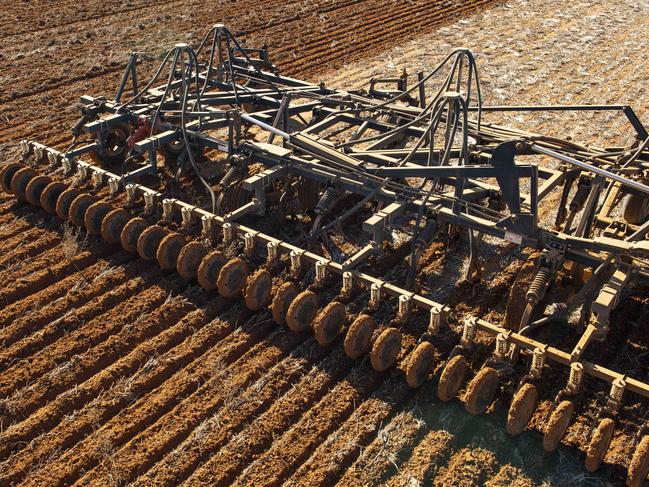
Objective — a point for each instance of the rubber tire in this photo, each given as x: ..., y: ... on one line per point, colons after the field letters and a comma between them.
x: 329, y: 322
x: 64, y: 201
x: 358, y: 339
x: 302, y: 311
x: 385, y: 349
x: 124, y: 131
x: 149, y: 241
x: 113, y: 224
x: 131, y: 233
x: 232, y: 278
x: 557, y: 425
x: 169, y: 250
x: 20, y: 180
x: 521, y: 409
x: 599, y: 444
x: 95, y: 215
x: 282, y: 300
x: 481, y: 391
x: 7, y: 173
x: 190, y: 258
x: 79, y: 207
x: 452, y: 377
x: 635, y: 209
x: 257, y: 290
x: 639, y: 466
x: 35, y: 189
x: 420, y: 364
x: 209, y: 268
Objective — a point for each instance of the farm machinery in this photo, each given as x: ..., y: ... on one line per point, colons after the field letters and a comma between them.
x: 275, y: 190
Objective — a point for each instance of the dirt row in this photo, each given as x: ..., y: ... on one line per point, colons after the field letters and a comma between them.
x: 113, y: 371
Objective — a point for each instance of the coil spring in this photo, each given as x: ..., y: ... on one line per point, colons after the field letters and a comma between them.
x: 469, y: 331
x: 233, y: 173
x: 427, y: 233
x: 326, y: 199
x: 502, y: 344
x: 583, y: 189
x: 617, y: 389
x: 539, y: 285
x: 292, y: 206
x: 494, y: 200
x: 576, y: 373
x: 538, y: 361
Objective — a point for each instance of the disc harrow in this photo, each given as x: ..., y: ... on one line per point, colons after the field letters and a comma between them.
x: 288, y: 195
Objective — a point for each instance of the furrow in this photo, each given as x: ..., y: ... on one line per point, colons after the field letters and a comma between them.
x: 75, y: 414
x: 159, y: 439
x: 120, y: 428
x: 232, y: 417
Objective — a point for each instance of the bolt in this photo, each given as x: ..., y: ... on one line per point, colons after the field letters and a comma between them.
x: 51, y: 158
x: 67, y: 165
x: 149, y: 206
x: 82, y: 173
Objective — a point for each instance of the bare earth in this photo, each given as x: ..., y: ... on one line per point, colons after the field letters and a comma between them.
x: 114, y: 372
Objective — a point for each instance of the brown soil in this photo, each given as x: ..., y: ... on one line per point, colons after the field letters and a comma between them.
x: 113, y: 371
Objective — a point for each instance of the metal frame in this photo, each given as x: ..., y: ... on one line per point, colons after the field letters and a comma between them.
x: 456, y: 159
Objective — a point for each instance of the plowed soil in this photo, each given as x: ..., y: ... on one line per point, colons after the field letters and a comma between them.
x: 113, y: 371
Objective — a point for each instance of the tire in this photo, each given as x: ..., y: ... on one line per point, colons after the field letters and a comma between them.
x: 95, y: 215
x: 113, y: 224
x: 50, y: 196
x: 131, y: 233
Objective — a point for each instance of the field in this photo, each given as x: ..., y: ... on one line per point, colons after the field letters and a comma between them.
x: 115, y: 372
